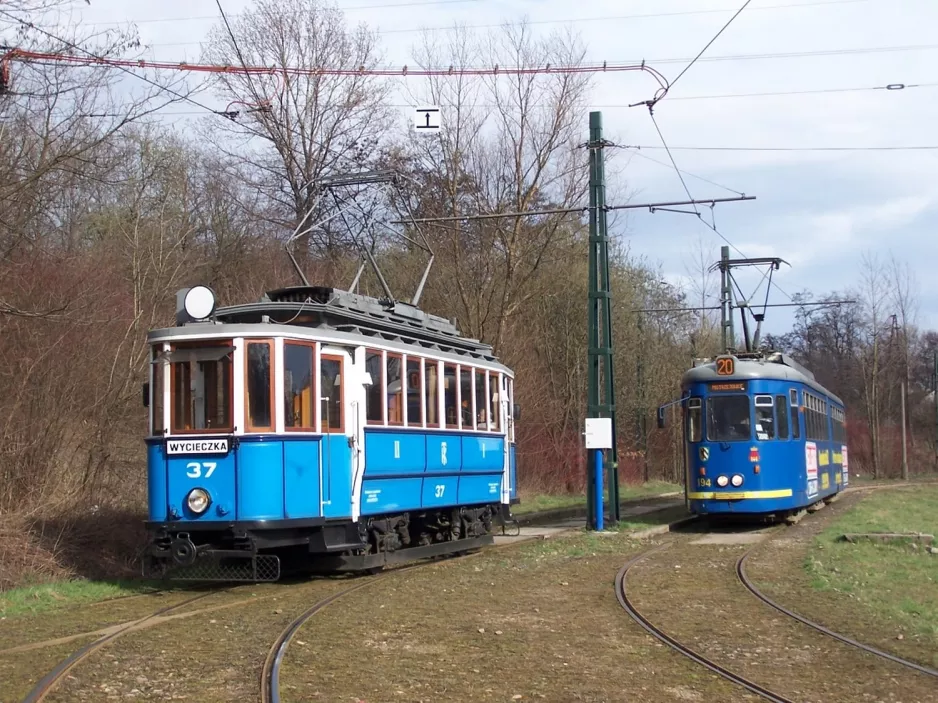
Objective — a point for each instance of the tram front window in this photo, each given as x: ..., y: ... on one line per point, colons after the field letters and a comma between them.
x: 200, y: 394
x: 728, y: 418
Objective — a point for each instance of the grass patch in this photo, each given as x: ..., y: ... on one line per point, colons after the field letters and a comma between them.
x: 40, y: 598
x: 897, y: 582
x: 541, y: 502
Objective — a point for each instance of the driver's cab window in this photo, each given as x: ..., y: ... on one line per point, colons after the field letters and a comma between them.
x: 694, y: 420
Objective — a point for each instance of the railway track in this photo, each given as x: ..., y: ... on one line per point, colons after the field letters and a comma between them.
x: 49, y: 681
x: 751, y: 587
x: 657, y: 633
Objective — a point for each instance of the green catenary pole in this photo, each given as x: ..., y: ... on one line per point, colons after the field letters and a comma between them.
x: 600, y: 379
x: 726, y: 302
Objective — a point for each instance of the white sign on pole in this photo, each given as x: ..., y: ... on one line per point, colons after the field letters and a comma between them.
x: 427, y: 119
x: 598, y: 433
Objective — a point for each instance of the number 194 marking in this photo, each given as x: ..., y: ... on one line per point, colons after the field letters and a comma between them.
x: 195, y: 468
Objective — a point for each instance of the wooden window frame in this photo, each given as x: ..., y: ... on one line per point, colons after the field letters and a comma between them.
x: 418, y: 423
x: 455, y: 369
x: 403, y: 394
x: 314, y: 391
x: 323, y: 429
x: 383, y: 385
x: 249, y: 427
x: 172, y: 386
x: 429, y: 364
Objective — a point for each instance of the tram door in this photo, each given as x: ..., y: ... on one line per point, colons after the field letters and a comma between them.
x: 338, y: 423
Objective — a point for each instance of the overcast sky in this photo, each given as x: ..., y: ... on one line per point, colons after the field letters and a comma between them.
x: 819, y: 210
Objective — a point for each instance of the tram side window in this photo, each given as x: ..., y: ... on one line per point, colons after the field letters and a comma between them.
x: 495, y: 411
x: 157, y: 393
x: 765, y: 420
x: 728, y: 418
x: 694, y: 424
x: 432, y: 392
x: 450, y: 406
x: 200, y: 392
x: 259, y: 386
x: 414, y: 396
x: 481, y: 406
x: 330, y: 378
x: 395, y: 396
x: 298, y: 391
x: 465, y: 402
x: 795, y: 420
x: 374, y: 408
x: 781, y: 413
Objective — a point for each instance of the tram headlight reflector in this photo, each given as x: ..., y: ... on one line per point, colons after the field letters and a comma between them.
x: 722, y: 481
x: 198, y: 500
x: 737, y: 480
x: 199, y: 302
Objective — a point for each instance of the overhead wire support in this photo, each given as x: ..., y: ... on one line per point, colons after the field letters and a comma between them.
x: 569, y: 210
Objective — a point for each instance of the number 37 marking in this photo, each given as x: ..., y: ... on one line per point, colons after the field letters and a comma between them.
x: 195, y: 468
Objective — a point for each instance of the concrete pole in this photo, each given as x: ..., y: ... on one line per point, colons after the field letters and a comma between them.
x: 905, y: 457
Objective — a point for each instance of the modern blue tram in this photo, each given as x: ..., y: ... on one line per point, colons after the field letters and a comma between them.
x: 319, y: 429
x: 762, y: 436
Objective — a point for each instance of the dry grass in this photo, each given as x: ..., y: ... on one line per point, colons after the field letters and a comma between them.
x: 102, y: 543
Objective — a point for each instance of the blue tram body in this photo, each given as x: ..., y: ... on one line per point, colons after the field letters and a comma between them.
x: 761, y: 436
x: 322, y: 430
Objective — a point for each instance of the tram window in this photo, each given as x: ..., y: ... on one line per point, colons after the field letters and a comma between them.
x: 414, y: 396
x: 765, y: 417
x: 374, y: 408
x: 781, y: 414
x: 432, y: 392
x: 157, y: 386
x: 728, y: 418
x: 465, y: 401
x: 258, y: 387
x: 694, y: 424
x: 450, y: 404
x: 330, y: 378
x: 494, y: 400
x: 481, y: 408
x: 200, y: 388
x: 298, y: 391
x: 795, y: 419
x: 395, y: 394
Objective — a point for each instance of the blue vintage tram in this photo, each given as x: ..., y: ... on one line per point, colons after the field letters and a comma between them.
x: 762, y: 436
x: 320, y: 429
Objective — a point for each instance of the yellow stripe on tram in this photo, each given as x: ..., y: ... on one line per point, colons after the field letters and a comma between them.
x: 726, y: 495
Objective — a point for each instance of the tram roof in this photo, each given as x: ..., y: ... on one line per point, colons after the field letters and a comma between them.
x: 772, y: 365
x: 332, y: 309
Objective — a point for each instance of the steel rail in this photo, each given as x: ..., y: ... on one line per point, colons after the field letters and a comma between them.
x: 751, y: 587
x: 660, y: 635
x: 48, y: 682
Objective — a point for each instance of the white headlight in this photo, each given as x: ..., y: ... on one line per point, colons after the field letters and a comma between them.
x: 737, y: 480
x: 198, y: 500
x: 200, y: 302
x: 722, y: 481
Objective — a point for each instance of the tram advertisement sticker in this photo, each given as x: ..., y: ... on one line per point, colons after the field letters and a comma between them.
x: 704, y: 453
x: 810, y: 455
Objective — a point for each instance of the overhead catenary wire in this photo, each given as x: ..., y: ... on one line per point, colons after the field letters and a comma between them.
x: 918, y: 147
x: 709, y: 43
x: 96, y: 58
x: 566, y: 20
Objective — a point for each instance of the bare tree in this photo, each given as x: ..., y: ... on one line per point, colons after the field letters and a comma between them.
x: 292, y: 129
x: 510, y: 144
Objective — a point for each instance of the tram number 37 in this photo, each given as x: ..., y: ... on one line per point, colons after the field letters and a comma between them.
x: 439, y: 490
x: 195, y: 469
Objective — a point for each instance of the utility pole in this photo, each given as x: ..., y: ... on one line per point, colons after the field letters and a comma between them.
x: 726, y: 301
x: 600, y: 382
x: 905, y: 457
